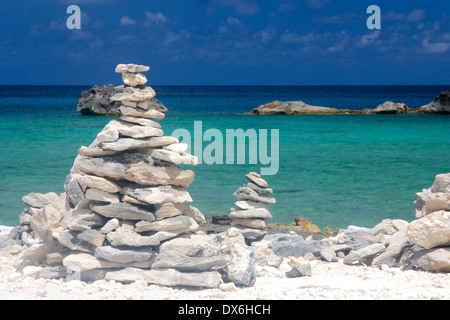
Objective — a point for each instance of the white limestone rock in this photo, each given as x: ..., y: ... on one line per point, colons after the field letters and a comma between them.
x: 194, y: 252
x: 124, y: 255
x: 178, y: 223
x: 110, y: 226
x: 125, y: 144
x: 134, y: 131
x: 158, y: 195
x: 133, y: 79
x: 108, y: 135
x: 141, y: 121
x: 260, y: 213
x: 148, y: 114
x: 131, y: 67
x: 103, y: 196
x: 80, y: 262
x: 174, y: 157
x: 431, y: 231
x: 100, y: 183
x: 256, y: 179
x: 250, y: 223
x: 122, y: 210
x: 167, y: 277
x: 138, y: 93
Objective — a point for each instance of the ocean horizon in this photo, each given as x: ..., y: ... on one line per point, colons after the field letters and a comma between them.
x: 337, y: 170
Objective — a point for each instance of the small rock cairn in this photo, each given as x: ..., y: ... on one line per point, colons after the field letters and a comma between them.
x: 125, y: 214
x: 251, y: 209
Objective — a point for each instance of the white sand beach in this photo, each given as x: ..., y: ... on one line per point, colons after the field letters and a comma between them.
x: 334, y: 281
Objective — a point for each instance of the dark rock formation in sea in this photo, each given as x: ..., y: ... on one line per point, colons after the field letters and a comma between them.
x: 440, y: 105
x: 97, y: 101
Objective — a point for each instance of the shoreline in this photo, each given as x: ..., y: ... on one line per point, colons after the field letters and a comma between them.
x: 328, y: 280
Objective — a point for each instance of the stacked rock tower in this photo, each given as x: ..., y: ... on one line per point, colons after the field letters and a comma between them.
x: 129, y: 183
x: 251, y: 209
x: 125, y: 214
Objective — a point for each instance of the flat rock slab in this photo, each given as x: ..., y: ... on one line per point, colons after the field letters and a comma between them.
x: 124, y: 254
x: 367, y: 252
x: 178, y: 223
x: 245, y: 193
x: 141, y: 121
x: 125, y: 237
x: 80, y: 262
x: 122, y: 210
x: 97, y: 182
x: 159, y: 195
x: 250, y: 223
x: 167, y: 277
x: 148, y: 114
x: 100, y: 195
x: 131, y: 67
x: 39, y: 200
x: 256, y: 179
x: 124, y: 144
x: 174, y: 157
x: 261, y: 213
x: 133, y: 130
x: 134, y: 94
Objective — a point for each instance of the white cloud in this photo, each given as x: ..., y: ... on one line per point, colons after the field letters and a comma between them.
x: 242, y: 7
x: 127, y: 21
x: 415, y: 15
x: 316, y: 4
x: 266, y: 35
x: 286, y: 7
x: 346, y: 18
x: 295, y: 38
x: 229, y: 23
x: 233, y: 21
x: 368, y: 39
x: 435, y: 47
x: 157, y: 17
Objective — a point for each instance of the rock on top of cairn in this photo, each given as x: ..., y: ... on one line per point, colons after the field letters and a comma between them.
x: 132, y: 68
x: 256, y: 179
x: 134, y: 89
x: 131, y: 74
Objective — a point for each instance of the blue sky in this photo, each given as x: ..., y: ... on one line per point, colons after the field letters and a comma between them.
x: 226, y: 42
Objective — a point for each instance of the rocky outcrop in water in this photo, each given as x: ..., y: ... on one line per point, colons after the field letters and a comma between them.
x: 97, y: 101
x: 440, y: 105
x: 294, y: 108
x: 390, y: 107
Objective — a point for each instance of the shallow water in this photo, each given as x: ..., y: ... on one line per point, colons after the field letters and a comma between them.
x: 337, y: 170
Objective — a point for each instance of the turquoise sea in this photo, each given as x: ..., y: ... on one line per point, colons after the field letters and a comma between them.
x: 336, y: 170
